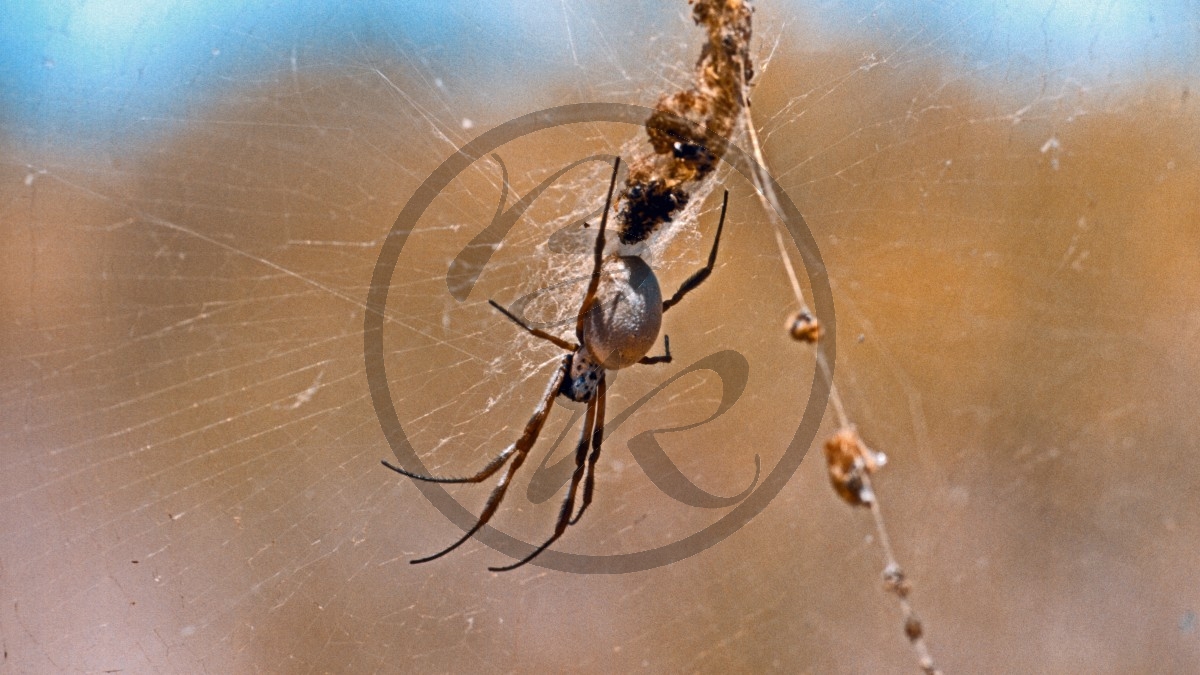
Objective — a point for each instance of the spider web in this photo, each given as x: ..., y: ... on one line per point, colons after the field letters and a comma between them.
x: 1006, y: 197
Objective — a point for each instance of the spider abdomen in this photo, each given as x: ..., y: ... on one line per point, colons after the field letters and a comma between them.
x: 623, y: 324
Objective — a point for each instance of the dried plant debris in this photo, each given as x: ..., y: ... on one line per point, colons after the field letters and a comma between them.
x: 689, y: 129
x: 894, y: 581
x: 804, y: 327
x: 850, y: 461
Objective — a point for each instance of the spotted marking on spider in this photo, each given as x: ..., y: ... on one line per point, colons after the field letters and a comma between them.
x: 584, y: 378
x: 617, y: 325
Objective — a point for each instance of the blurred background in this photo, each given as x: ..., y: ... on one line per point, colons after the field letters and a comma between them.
x: 193, y: 195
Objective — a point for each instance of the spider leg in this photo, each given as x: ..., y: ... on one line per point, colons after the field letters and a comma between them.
x: 568, y: 505
x: 521, y: 448
x: 483, y: 474
x: 590, y: 298
x: 699, y: 277
x: 534, y: 331
x: 665, y: 358
x: 589, y: 483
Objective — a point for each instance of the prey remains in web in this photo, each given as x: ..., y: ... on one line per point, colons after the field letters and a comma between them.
x: 619, y: 320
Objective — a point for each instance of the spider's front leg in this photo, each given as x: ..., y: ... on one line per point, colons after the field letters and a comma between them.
x: 568, y: 506
x: 517, y: 451
x: 589, y: 483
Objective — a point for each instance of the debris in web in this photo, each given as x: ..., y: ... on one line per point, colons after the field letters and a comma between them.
x: 689, y: 134
x: 689, y: 129
x: 669, y: 178
x: 850, y: 461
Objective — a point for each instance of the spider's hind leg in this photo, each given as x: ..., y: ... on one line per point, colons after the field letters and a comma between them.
x: 701, y: 274
x: 664, y: 358
x: 589, y: 298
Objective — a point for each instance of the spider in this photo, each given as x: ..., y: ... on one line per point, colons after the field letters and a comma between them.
x: 616, y: 326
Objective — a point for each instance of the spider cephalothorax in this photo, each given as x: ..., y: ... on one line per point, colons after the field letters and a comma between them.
x: 616, y: 326
x: 583, y: 377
